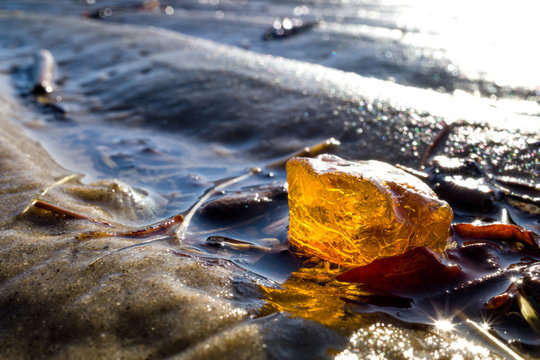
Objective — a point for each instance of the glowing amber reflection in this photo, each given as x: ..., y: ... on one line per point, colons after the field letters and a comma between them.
x: 313, y: 295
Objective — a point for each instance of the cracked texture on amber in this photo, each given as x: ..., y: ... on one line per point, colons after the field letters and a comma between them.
x: 353, y: 212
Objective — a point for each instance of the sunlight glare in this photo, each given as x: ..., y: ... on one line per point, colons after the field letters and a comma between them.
x: 444, y: 325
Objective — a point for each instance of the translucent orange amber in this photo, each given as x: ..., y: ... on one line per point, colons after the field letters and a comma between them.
x: 351, y: 213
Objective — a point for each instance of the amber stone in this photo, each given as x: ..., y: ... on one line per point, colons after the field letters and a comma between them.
x: 353, y: 212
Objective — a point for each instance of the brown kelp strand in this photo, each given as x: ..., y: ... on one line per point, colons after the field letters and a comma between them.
x: 438, y: 139
x: 161, y: 228
x: 501, y: 232
x: 44, y: 205
x: 239, y: 245
x: 311, y: 151
x: 45, y: 190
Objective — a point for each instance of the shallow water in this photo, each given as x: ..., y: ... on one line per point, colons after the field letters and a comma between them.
x: 173, y: 114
